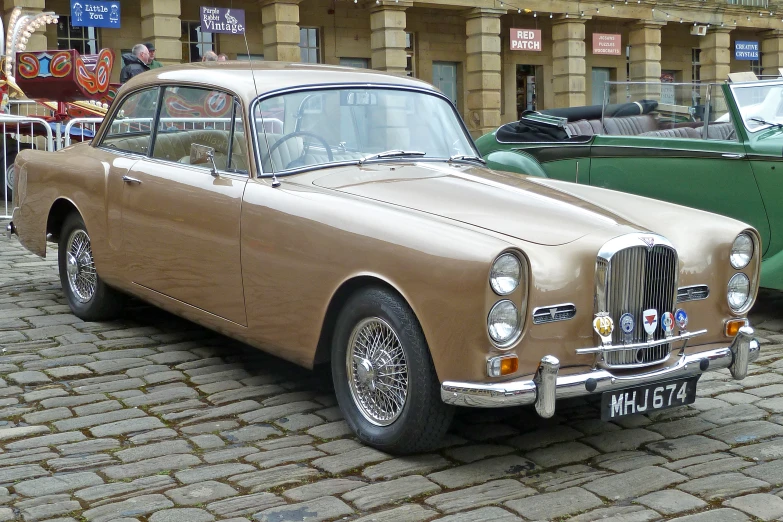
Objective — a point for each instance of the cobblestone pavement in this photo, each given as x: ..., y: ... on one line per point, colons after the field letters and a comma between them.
x: 154, y: 418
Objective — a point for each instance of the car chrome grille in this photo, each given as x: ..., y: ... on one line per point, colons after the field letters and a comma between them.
x: 631, y: 280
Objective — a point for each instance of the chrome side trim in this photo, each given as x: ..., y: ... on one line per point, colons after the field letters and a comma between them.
x: 692, y: 293
x: 553, y: 313
x: 684, y: 336
x: 742, y: 351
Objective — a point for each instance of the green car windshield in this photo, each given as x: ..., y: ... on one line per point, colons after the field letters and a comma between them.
x: 760, y: 103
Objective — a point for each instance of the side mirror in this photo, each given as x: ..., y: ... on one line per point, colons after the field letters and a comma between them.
x: 200, y: 154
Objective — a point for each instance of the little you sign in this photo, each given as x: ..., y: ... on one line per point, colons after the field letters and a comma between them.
x: 222, y: 20
x: 93, y: 13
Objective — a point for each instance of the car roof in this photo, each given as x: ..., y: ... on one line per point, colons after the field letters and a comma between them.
x: 237, y: 77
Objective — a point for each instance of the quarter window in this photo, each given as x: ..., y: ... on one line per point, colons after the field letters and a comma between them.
x: 194, y: 121
x: 131, y: 126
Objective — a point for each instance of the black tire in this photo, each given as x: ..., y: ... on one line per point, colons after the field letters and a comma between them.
x: 424, y: 418
x: 100, y: 304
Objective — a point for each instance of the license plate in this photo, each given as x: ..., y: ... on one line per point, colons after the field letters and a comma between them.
x: 648, y: 397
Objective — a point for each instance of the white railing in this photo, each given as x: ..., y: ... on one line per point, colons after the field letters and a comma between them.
x: 19, y: 133
x: 78, y: 127
x: 750, y: 3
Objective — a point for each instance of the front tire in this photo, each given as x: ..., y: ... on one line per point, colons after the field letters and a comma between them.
x: 383, y: 375
x: 88, y: 296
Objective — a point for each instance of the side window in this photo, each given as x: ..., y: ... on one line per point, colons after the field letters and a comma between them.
x: 131, y: 127
x: 193, y: 116
x: 721, y: 124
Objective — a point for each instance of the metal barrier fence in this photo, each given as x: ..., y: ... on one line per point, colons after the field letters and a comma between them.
x: 19, y: 133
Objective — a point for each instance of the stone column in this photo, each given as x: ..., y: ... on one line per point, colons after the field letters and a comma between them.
x: 771, y: 52
x: 568, y: 61
x: 645, y: 58
x: 716, y: 55
x: 482, y: 70
x: 36, y: 42
x: 280, y: 22
x: 161, y: 25
x: 387, y: 40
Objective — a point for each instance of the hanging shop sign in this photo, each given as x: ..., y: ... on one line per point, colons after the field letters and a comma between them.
x: 606, y: 44
x: 93, y: 13
x: 222, y: 20
x: 526, y: 39
x: 746, y: 50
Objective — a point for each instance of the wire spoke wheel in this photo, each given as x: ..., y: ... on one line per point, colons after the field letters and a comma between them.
x: 377, y: 371
x: 80, y: 267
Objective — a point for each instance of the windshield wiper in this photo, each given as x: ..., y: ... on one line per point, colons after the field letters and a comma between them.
x: 391, y: 154
x: 465, y: 157
x: 762, y: 121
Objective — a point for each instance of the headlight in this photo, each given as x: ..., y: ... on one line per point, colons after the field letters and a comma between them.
x: 738, y: 291
x: 505, y: 274
x: 741, y: 251
x: 503, y: 322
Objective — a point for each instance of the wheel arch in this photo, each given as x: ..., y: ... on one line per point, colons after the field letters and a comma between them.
x: 323, y: 352
x: 59, y: 210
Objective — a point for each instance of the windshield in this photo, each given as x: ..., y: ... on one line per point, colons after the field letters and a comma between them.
x: 760, y: 103
x: 327, y: 126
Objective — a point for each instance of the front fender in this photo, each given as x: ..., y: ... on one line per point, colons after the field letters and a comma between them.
x: 518, y: 162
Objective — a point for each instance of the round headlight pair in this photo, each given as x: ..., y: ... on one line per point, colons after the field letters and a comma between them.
x: 738, y: 291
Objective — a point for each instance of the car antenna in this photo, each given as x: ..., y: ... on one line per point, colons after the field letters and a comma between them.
x: 275, y: 181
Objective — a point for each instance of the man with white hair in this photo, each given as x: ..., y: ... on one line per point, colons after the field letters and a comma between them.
x: 136, y: 62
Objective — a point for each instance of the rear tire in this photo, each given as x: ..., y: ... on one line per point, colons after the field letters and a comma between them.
x: 88, y: 296
x: 383, y: 375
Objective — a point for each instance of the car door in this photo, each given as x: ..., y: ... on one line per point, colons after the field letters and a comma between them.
x: 679, y: 165
x: 181, y: 220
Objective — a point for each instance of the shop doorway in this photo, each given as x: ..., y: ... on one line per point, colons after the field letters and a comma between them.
x: 444, y: 77
x: 600, y: 75
x: 527, y: 87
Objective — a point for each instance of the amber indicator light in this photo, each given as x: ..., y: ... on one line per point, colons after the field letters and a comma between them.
x: 733, y: 327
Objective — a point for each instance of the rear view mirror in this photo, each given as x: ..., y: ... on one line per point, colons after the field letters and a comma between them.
x: 200, y: 154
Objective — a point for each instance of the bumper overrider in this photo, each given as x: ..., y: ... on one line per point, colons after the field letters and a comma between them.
x: 547, y: 386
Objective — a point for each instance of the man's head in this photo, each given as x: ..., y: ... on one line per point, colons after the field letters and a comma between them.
x: 222, y: 57
x: 151, y: 48
x: 209, y: 56
x: 141, y: 52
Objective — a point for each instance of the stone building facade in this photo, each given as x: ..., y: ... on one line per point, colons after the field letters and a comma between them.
x: 462, y: 46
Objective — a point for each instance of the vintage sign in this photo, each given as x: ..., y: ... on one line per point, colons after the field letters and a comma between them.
x: 746, y: 50
x: 94, y: 13
x: 222, y: 20
x: 606, y: 44
x: 526, y: 39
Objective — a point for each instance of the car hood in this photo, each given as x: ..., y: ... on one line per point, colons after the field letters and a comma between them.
x: 505, y: 203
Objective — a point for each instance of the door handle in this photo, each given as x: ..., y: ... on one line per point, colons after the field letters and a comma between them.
x: 731, y: 155
x: 128, y: 179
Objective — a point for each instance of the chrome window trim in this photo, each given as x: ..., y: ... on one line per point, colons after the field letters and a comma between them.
x: 336, y: 86
x: 543, y: 314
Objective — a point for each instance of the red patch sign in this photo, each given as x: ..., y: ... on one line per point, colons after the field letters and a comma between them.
x: 606, y: 44
x: 526, y: 39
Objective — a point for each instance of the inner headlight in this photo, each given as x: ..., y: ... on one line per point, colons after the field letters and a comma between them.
x: 741, y: 251
x: 738, y: 291
x: 505, y: 274
x: 503, y: 322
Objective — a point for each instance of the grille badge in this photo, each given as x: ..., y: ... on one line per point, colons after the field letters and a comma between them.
x: 667, y: 323
x: 649, y: 241
x: 627, y: 326
x: 682, y: 318
x: 604, y: 326
x: 650, y: 322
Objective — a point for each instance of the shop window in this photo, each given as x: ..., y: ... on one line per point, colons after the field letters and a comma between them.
x: 83, y: 39
x: 755, y: 66
x: 410, y: 51
x: 359, y: 63
x: 527, y: 85
x: 599, y: 77
x: 310, y: 45
x: 195, y: 43
x: 696, y: 65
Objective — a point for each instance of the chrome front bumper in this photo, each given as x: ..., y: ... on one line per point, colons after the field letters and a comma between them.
x: 547, y: 386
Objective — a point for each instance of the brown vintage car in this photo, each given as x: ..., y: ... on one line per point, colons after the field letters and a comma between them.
x: 332, y: 214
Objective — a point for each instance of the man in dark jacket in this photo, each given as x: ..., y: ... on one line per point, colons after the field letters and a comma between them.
x: 136, y: 62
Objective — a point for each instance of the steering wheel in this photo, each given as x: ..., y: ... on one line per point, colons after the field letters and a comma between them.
x: 304, y: 149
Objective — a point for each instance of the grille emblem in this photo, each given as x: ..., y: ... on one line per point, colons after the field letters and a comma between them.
x: 649, y: 241
x: 553, y: 312
x: 650, y: 322
x: 667, y: 323
x: 604, y: 326
x: 627, y: 325
x: 682, y: 318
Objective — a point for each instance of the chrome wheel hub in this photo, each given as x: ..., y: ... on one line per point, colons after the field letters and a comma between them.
x: 377, y: 371
x: 79, y: 266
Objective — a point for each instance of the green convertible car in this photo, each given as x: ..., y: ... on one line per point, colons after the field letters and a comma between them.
x: 716, y: 147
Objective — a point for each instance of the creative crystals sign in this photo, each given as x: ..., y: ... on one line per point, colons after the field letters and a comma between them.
x: 606, y: 44
x: 222, y: 20
x: 526, y: 39
x: 746, y: 50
